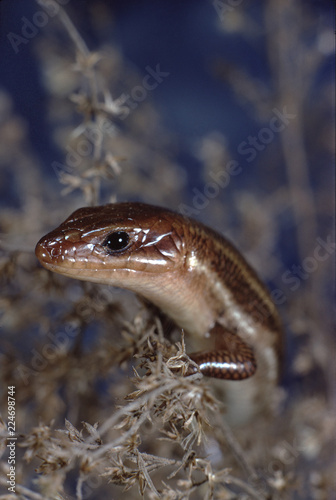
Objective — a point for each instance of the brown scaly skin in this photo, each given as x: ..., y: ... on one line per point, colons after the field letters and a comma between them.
x: 189, y: 271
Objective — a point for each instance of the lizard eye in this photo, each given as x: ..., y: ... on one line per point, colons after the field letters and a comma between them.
x: 116, y: 241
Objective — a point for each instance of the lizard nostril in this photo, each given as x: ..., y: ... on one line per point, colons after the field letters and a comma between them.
x: 42, y: 251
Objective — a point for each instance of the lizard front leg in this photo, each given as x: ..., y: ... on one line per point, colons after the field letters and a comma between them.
x: 231, y: 359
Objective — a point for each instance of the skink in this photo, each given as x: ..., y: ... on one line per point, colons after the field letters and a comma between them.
x: 194, y: 275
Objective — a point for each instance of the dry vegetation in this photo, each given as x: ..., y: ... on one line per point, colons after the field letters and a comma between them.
x: 102, y: 406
